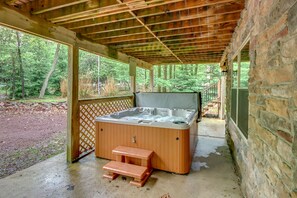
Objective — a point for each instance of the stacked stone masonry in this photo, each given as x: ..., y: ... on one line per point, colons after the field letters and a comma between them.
x: 267, y: 159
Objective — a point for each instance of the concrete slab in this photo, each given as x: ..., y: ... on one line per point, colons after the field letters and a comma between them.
x: 212, y: 175
x: 212, y: 127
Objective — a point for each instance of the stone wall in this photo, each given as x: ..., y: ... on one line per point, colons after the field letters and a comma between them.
x: 267, y: 159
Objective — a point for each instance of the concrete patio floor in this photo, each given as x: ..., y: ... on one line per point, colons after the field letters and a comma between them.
x: 212, y: 175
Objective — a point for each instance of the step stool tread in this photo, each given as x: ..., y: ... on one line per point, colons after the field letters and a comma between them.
x: 133, y: 152
x: 129, y: 170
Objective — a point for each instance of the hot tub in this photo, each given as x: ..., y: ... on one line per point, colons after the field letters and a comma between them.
x: 170, y: 133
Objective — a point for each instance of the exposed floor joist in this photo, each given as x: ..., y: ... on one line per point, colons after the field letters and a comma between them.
x: 157, y: 31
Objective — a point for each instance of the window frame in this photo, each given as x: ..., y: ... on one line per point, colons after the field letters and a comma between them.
x: 237, y: 57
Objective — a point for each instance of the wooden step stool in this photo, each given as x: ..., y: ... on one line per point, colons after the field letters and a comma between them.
x: 122, y: 166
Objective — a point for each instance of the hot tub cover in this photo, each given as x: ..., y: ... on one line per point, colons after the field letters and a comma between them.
x: 169, y: 100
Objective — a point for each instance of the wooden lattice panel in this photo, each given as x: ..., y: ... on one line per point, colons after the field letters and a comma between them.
x: 89, y: 110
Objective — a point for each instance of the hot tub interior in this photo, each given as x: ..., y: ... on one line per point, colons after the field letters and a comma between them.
x: 148, y: 114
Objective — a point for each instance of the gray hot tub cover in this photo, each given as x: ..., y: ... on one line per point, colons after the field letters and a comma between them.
x: 169, y: 100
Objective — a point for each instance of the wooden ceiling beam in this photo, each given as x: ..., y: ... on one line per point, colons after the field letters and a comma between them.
x: 180, y: 40
x: 194, y: 51
x: 119, y: 33
x: 103, y: 8
x: 126, y: 39
x: 176, y: 14
x: 191, y: 47
x: 197, y: 30
x: 197, y: 55
x: 181, y: 31
x: 47, y: 6
x: 126, y: 25
x: 187, y: 54
x: 203, y: 50
x: 172, y: 48
x: 96, y: 21
x: 99, y: 8
x: 194, y: 13
x: 130, y: 24
x: 171, y: 38
x: 155, y: 46
x: 182, y: 5
x: 209, y: 40
x: 212, y: 20
x: 166, y: 60
x: 136, y: 44
x: 216, y: 38
x: 187, y: 50
x: 205, y: 36
x: 152, y: 43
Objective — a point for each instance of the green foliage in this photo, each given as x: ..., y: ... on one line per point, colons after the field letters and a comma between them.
x: 189, y: 77
x: 244, y: 74
x: 37, y: 57
x: 95, y: 72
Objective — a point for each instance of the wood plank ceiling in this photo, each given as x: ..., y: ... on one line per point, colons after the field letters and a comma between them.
x: 156, y: 31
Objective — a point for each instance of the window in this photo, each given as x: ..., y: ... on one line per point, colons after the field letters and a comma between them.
x: 239, y: 91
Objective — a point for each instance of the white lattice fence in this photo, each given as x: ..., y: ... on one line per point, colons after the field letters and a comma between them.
x: 89, y: 110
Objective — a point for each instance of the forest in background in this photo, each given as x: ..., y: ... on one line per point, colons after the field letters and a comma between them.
x: 32, y: 67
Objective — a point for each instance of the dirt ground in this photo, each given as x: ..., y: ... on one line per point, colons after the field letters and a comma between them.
x: 27, y: 138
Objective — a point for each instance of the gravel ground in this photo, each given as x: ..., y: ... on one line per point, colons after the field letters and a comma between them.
x: 27, y: 138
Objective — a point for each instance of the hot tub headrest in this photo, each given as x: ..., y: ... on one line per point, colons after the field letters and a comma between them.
x: 168, y: 100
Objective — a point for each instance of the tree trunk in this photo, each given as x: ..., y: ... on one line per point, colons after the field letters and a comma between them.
x: 13, y: 75
x: 165, y: 77
x: 174, y: 71
x: 159, y: 77
x: 21, y: 63
x: 145, y: 77
x: 45, y: 83
x: 196, y: 69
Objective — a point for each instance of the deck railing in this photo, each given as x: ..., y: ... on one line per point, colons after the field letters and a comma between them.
x: 210, y: 93
x: 91, y: 108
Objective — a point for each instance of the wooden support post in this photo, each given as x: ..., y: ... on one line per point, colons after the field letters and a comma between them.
x: 165, y: 77
x: 152, y: 79
x: 159, y: 77
x: 133, y: 84
x: 73, y: 108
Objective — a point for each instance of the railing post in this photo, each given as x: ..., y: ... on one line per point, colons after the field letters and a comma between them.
x: 73, y: 106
